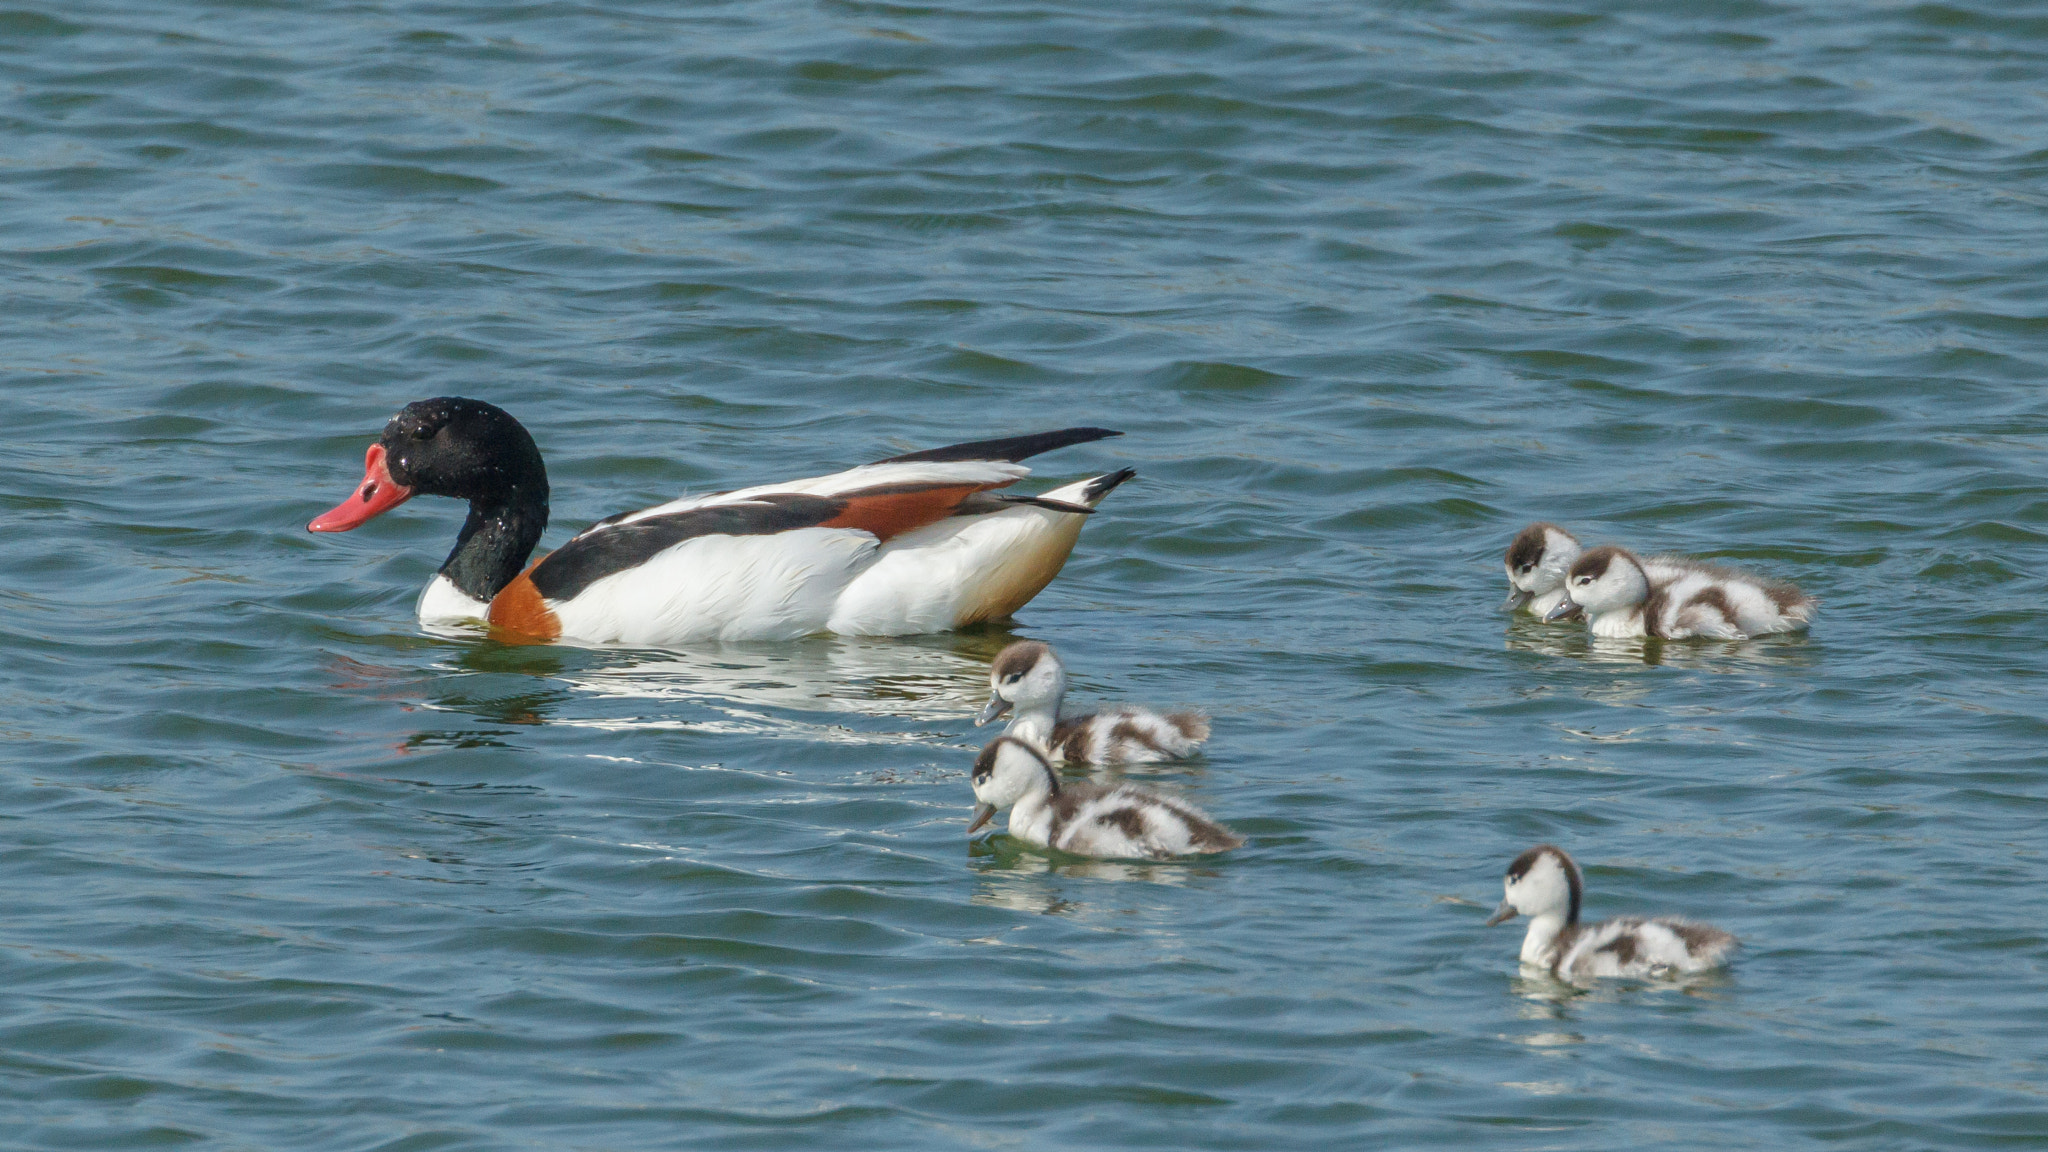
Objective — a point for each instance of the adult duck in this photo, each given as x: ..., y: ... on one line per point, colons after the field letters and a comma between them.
x: 914, y: 543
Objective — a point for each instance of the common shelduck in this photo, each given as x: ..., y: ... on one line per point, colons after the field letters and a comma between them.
x: 914, y: 543
x: 1029, y: 677
x: 1544, y: 885
x: 1676, y: 598
x: 1116, y: 820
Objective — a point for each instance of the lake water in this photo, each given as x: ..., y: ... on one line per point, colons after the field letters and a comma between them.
x: 1369, y: 286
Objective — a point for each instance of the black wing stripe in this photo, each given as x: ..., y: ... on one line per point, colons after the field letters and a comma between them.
x: 1012, y: 449
x: 1042, y: 502
x: 1103, y: 485
x: 575, y: 566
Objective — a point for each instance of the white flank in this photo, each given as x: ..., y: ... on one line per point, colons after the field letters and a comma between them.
x: 1656, y: 950
x: 961, y: 570
x: 1166, y: 831
x: 775, y: 587
x: 1162, y: 738
x: 1085, y: 833
x: 795, y: 583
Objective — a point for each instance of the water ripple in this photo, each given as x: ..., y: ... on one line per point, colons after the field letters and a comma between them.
x: 1368, y: 288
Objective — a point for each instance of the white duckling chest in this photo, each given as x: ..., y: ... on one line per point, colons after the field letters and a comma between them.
x: 1031, y: 819
x: 1539, y: 943
x: 1035, y: 728
x: 1618, y: 624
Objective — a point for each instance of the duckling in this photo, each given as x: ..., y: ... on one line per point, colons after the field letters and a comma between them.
x: 1029, y: 676
x: 1544, y: 885
x: 1117, y: 820
x: 1537, y: 562
x: 1675, y: 597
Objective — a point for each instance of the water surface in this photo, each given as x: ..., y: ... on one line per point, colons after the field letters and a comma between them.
x: 1368, y: 285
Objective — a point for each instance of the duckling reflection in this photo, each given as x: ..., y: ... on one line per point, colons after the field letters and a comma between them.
x: 1791, y: 649
x: 1008, y: 859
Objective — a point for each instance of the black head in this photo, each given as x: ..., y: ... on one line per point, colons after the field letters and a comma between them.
x: 468, y: 449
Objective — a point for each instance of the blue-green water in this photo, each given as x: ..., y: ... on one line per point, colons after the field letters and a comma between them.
x: 1370, y: 286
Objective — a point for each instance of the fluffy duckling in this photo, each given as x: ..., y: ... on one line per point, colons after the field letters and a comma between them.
x: 1677, y: 598
x: 1029, y: 677
x: 1544, y: 885
x: 1537, y: 563
x: 1117, y: 820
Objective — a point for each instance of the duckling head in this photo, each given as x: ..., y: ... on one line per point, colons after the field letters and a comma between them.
x: 1537, y: 562
x: 1541, y: 882
x: 1603, y: 580
x: 1026, y: 676
x: 1007, y: 771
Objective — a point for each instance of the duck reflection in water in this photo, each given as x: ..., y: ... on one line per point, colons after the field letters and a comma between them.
x: 826, y: 689
x: 494, y: 684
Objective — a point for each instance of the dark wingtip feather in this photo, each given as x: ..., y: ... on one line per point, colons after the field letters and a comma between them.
x: 1011, y: 448
x: 1103, y: 485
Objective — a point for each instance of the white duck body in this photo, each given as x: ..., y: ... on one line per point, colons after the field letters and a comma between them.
x: 915, y: 543
x: 966, y: 569
x: 1544, y: 884
x: 1029, y: 677
x: 1118, y: 821
x: 960, y: 570
x: 1677, y: 598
